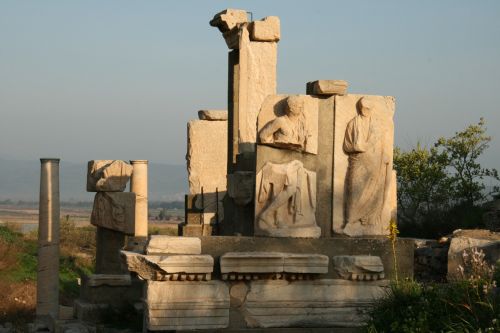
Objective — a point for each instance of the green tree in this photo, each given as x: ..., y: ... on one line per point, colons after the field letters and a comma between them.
x: 463, y: 151
x: 440, y: 188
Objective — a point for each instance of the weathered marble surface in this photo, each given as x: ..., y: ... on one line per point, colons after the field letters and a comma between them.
x: 169, y: 267
x: 359, y: 268
x: 115, y: 211
x: 160, y: 244
x: 273, y: 262
x: 213, y: 115
x: 327, y: 87
x: 265, y: 30
x: 363, y: 181
x: 462, y: 240
x: 285, y: 201
x: 108, y: 175
x: 241, y: 185
x: 186, y: 305
x: 207, y: 166
x: 139, y: 186
x: 289, y: 122
x: 318, y: 303
x: 97, y: 280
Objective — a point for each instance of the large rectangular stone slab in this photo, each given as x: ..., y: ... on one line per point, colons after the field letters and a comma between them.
x: 327, y: 87
x: 186, y: 305
x: 115, y: 211
x: 108, y: 175
x: 319, y: 303
x: 159, y: 244
x: 305, y: 263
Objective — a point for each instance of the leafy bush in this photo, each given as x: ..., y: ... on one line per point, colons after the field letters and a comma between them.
x: 471, y: 304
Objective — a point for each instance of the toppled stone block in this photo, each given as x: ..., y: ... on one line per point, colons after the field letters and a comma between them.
x: 169, y: 267
x: 465, y: 240
x: 97, y: 280
x: 359, y: 268
x: 327, y: 87
x: 115, y: 211
x: 186, y: 305
x: 108, y: 175
x: 318, y: 303
x: 159, y: 244
x: 214, y: 115
x: 265, y: 30
x: 275, y: 265
x: 228, y: 19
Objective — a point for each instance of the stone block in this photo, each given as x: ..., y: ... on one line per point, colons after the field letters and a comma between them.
x: 251, y: 262
x: 327, y: 87
x: 265, y: 30
x: 108, y: 175
x: 305, y: 263
x: 115, y: 211
x: 213, y: 115
x: 186, y: 305
x: 462, y: 240
x: 207, y: 167
x: 272, y: 262
x: 228, y: 19
x: 159, y: 244
x: 88, y: 312
x: 359, y: 268
x: 319, y: 303
x: 169, y: 267
x: 192, y: 230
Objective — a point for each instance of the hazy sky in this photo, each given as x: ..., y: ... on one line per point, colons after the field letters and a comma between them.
x: 85, y: 80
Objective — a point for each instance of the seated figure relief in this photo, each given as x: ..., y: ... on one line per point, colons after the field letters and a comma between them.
x: 290, y: 130
x: 286, y: 196
x: 370, y: 168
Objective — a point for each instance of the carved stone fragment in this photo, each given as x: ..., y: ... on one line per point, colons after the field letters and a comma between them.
x: 285, y: 203
x: 108, y: 175
x: 115, y: 211
x: 359, y: 268
x: 228, y: 19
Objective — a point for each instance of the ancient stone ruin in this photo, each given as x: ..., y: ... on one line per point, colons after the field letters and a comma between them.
x: 290, y: 201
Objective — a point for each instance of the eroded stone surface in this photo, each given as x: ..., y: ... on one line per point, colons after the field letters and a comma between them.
x: 241, y: 186
x: 214, y: 115
x: 285, y: 201
x: 327, y: 87
x: 159, y: 244
x: 266, y: 30
x: 465, y: 240
x: 359, y: 268
x: 108, y: 175
x: 363, y: 189
x: 169, y: 267
x: 319, y: 303
x: 115, y: 211
x: 207, y: 166
x: 289, y: 122
x: 273, y: 262
x: 228, y: 19
x: 186, y: 305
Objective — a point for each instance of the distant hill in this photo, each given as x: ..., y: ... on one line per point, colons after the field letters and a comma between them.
x: 20, y: 180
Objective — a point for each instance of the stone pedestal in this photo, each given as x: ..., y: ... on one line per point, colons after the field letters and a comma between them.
x: 139, y: 185
x: 47, y: 305
x: 108, y: 245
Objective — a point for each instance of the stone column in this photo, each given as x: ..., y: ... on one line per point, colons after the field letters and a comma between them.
x: 139, y: 185
x: 47, y: 304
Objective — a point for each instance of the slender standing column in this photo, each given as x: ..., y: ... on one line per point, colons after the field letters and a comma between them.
x: 139, y: 185
x: 47, y: 303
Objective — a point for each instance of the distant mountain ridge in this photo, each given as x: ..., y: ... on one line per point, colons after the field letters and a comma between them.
x: 20, y: 180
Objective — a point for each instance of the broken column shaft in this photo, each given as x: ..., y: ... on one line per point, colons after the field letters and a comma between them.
x: 48, y: 240
x: 139, y: 185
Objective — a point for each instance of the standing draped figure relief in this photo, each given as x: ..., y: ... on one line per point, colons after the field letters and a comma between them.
x: 369, y: 172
